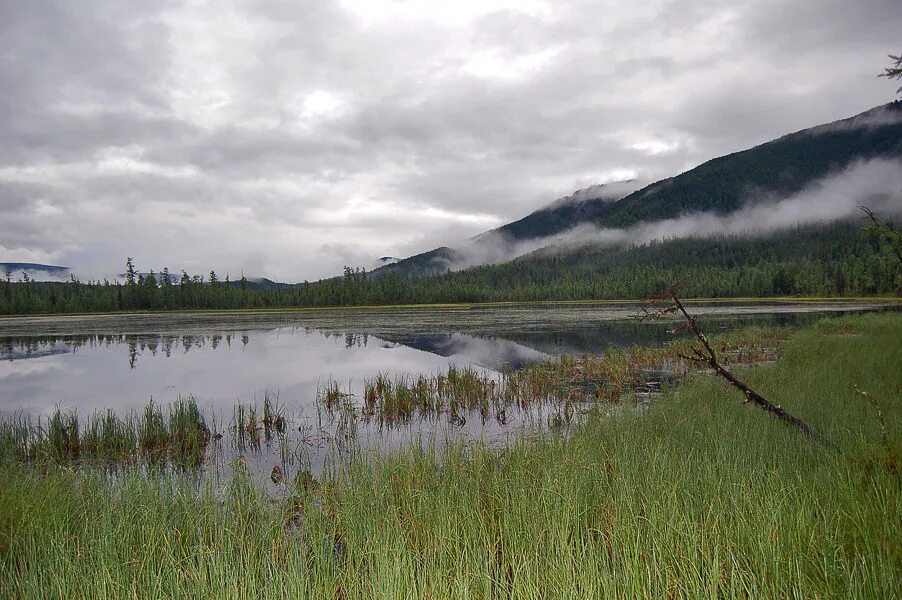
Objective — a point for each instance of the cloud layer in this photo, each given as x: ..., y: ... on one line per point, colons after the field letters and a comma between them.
x: 290, y: 138
x: 876, y: 184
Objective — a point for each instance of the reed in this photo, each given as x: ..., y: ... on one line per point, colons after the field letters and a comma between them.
x: 108, y: 437
x: 153, y: 436
x: 188, y: 432
x: 180, y: 434
x: 273, y: 414
x: 697, y: 496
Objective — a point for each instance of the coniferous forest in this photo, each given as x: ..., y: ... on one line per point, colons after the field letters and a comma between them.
x: 838, y: 260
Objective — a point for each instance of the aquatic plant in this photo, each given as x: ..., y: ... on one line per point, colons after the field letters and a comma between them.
x: 273, y: 414
x: 554, y: 394
x: 687, y: 499
x: 108, y: 437
x: 180, y: 435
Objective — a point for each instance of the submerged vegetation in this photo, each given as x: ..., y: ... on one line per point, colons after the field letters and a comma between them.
x: 697, y: 496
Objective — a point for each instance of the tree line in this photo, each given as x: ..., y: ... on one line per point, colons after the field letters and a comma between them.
x: 835, y: 260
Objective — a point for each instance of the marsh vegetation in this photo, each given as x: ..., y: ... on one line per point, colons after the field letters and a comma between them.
x: 549, y: 394
x: 695, y: 495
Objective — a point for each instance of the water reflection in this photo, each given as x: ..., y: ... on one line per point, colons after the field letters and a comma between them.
x: 488, y: 339
x: 123, y: 360
x: 120, y: 362
x: 489, y: 352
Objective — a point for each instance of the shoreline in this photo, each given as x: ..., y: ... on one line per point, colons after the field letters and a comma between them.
x: 888, y: 301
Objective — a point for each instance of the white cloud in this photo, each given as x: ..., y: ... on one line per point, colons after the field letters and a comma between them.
x: 492, y: 64
x: 455, y: 13
x: 285, y: 138
x: 654, y: 147
x: 320, y: 103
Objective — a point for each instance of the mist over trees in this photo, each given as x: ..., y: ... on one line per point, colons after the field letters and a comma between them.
x: 837, y: 260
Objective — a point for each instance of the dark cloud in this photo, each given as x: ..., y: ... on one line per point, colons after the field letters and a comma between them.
x: 288, y: 138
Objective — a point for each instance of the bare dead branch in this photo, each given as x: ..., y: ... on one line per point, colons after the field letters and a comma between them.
x: 705, y: 354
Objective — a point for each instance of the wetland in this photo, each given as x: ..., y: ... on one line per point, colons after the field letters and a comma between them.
x: 302, y: 389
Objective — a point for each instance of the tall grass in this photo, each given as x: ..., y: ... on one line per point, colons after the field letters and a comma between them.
x: 179, y: 434
x: 461, y: 392
x: 697, y: 497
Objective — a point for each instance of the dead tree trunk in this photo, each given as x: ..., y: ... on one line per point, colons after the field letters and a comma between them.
x: 706, y: 355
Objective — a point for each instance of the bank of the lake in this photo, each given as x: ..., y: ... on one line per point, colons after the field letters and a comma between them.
x: 697, y: 496
x: 882, y: 300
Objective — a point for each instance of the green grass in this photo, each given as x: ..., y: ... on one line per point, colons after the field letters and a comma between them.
x: 179, y: 434
x: 697, y: 497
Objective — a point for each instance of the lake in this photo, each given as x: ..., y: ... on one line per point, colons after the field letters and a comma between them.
x: 89, y: 363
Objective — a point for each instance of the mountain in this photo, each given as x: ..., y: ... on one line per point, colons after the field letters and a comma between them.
x: 777, y: 168
x: 258, y: 284
x: 838, y: 258
x: 382, y: 261
x: 722, y: 186
x: 174, y: 277
x: 504, y: 242
x: 421, y: 265
x: 581, y: 206
x: 33, y: 269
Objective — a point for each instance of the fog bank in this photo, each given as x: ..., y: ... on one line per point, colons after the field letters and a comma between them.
x: 876, y: 184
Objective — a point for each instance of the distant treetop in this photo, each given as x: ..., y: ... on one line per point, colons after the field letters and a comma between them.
x: 895, y: 71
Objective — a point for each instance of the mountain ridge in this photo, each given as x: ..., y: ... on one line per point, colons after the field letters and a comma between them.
x: 16, y: 267
x: 722, y: 185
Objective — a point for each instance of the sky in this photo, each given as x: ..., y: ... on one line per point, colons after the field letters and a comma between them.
x: 290, y: 138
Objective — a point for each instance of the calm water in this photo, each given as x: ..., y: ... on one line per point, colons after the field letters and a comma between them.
x: 123, y: 361
x: 120, y: 362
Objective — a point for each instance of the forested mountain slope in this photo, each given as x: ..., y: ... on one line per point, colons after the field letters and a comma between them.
x: 773, y: 170
x: 582, y: 206
x: 827, y: 260
x: 493, y: 246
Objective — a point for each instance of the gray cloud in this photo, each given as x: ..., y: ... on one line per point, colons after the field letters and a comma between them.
x: 287, y: 138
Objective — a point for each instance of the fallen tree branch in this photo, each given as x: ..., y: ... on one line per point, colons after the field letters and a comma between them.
x: 707, y: 356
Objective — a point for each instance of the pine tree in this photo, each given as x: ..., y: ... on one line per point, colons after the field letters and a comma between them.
x: 129, y: 272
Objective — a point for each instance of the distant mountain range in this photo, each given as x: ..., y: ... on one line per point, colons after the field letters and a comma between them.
x: 725, y: 186
x: 722, y: 186
x: 42, y: 272
x: 17, y: 268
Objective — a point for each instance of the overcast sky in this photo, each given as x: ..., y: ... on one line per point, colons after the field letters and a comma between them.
x: 289, y: 138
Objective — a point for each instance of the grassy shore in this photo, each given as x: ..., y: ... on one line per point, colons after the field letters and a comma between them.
x: 697, y: 496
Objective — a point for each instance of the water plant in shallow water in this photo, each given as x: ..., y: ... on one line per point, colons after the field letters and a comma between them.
x: 182, y: 433
x: 696, y: 497
x: 106, y: 436
x: 273, y: 414
x: 62, y: 440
